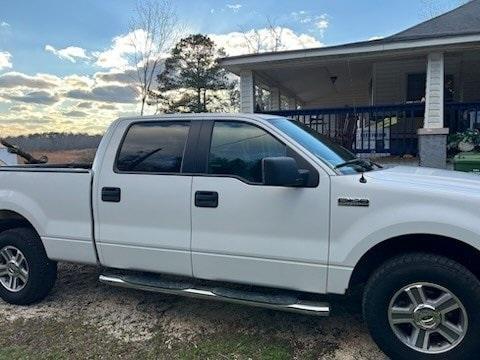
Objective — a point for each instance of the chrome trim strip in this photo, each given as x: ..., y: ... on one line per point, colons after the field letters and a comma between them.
x: 303, y: 307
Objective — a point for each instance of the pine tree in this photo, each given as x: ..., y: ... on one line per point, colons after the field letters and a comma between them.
x: 192, y: 79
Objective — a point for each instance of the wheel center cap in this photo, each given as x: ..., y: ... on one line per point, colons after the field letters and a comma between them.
x: 426, y: 317
x: 12, y: 268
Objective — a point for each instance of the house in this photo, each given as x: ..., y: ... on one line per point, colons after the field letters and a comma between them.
x: 398, y: 95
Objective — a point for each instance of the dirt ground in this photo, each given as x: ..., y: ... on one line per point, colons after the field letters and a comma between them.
x: 83, y: 319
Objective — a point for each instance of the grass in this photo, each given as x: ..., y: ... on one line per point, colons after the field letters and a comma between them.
x: 46, y: 339
x: 235, y: 347
x: 70, y: 338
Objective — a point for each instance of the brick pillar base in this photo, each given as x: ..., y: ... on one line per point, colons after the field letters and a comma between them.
x: 432, y: 145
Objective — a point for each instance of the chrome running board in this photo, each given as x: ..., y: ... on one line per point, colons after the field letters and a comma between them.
x: 276, y: 302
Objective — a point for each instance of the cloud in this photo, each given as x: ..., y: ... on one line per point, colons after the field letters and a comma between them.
x: 75, y: 113
x: 302, y: 16
x: 234, y: 7
x: 41, y: 97
x: 70, y: 53
x: 107, y: 107
x: 4, y: 24
x: 236, y: 43
x: 14, y: 79
x: 20, y: 108
x: 322, y: 23
x: 78, y: 82
x: 128, y: 76
x: 5, y: 60
x: 117, y: 56
x: 84, y: 105
x: 109, y: 93
x: 376, y: 37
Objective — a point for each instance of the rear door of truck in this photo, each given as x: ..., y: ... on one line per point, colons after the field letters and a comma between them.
x: 142, y: 198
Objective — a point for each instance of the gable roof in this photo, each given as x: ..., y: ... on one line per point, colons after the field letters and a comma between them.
x: 463, y: 20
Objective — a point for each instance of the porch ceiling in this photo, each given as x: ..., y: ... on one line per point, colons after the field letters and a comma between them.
x: 312, y: 82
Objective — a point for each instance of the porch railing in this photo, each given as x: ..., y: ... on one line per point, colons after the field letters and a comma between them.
x: 462, y: 116
x: 387, y: 129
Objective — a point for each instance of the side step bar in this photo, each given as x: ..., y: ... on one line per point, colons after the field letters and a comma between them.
x: 284, y: 303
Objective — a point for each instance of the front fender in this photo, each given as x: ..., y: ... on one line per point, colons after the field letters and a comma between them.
x: 349, y: 244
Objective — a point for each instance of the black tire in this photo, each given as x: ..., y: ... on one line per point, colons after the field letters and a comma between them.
x: 402, y: 271
x: 42, y: 272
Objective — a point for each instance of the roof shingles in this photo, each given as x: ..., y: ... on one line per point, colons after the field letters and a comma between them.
x: 463, y: 20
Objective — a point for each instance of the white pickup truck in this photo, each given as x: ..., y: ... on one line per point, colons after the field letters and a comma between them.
x: 257, y: 210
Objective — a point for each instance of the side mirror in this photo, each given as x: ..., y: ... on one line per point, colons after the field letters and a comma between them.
x: 283, y: 171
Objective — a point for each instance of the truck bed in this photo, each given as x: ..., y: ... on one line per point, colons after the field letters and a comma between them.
x: 50, y: 167
x: 56, y: 199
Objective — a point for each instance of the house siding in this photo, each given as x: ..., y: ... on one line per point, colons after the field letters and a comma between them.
x: 390, y: 78
x: 348, y: 90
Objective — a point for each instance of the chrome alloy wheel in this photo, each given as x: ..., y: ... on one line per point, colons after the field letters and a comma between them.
x: 427, y: 318
x: 13, y: 269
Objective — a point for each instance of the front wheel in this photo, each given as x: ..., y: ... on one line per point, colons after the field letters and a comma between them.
x: 423, y: 306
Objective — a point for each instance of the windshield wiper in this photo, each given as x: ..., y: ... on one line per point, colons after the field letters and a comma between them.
x: 351, y: 162
x: 358, y: 161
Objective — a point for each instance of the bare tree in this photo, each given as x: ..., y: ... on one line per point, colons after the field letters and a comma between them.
x: 154, y: 30
x: 268, y: 39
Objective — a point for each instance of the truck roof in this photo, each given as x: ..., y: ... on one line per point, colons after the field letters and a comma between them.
x: 200, y: 116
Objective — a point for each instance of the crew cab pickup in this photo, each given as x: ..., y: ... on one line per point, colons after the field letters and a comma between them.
x: 259, y: 210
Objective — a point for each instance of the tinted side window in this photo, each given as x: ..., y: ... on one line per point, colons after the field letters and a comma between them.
x: 238, y: 149
x: 154, y: 147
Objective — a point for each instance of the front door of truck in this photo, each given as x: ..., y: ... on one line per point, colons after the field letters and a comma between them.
x: 142, y: 212
x: 246, y: 232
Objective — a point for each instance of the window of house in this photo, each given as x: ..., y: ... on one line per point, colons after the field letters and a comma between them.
x: 238, y: 149
x: 416, y: 84
x: 154, y: 147
x: 416, y: 87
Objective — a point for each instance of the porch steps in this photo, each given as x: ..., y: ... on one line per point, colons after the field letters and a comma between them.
x: 270, y: 299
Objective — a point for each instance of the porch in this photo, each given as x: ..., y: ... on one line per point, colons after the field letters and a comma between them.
x: 382, y: 130
x: 394, y: 96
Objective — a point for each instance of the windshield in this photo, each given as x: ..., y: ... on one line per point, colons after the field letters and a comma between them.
x: 336, y: 156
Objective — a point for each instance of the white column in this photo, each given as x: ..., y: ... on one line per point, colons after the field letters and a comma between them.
x: 434, y: 92
x: 432, y: 138
x: 247, y: 91
x: 274, y: 99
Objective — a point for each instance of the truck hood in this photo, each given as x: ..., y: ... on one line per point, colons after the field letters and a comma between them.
x: 429, y: 178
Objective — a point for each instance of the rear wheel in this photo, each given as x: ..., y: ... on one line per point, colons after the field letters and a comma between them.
x: 422, y: 306
x: 26, y: 273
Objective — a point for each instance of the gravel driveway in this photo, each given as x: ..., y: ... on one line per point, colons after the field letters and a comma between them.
x: 85, y: 319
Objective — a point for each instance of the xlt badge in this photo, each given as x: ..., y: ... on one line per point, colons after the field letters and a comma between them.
x: 353, y: 202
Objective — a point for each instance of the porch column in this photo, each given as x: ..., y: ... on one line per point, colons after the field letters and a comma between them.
x: 247, y: 91
x: 274, y: 99
x: 432, y: 138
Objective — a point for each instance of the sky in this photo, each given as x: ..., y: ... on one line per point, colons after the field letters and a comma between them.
x: 61, y: 61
